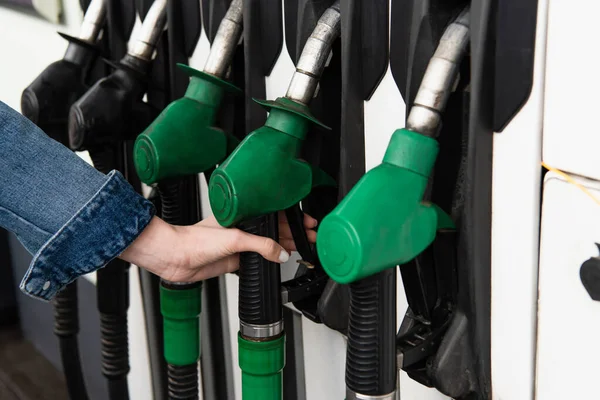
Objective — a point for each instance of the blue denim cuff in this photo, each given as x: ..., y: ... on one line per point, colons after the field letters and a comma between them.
x: 100, y: 231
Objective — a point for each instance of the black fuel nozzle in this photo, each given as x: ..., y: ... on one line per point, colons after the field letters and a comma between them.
x: 46, y: 101
x: 113, y: 109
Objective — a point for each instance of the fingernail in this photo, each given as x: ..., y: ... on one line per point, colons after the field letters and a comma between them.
x: 284, y: 256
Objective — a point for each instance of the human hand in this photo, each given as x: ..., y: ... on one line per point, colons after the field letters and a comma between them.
x: 206, y: 249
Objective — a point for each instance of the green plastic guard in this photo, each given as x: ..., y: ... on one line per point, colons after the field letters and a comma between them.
x: 383, y: 222
x: 264, y: 174
x: 181, y: 325
x: 182, y: 140
x: 262, y: 368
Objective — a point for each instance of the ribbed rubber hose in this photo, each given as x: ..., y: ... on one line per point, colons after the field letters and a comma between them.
x: 371, y: 352
x: 66, y: 328
x: 260, y: 279
x: 182, y: 381
x: 113, y: 299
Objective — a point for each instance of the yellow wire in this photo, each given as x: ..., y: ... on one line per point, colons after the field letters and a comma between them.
x: 572, y: 181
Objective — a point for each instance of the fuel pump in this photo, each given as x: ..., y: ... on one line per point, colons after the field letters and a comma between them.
x: 182, y: 141
x: 384, y: 221
x: 46, y: 102
x: 262, y: 176
x: 101, y: 121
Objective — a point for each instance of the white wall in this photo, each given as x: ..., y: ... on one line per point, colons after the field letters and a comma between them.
x: 28, y: 44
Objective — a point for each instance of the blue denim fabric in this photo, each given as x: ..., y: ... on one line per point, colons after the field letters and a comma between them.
x: 73, y: 218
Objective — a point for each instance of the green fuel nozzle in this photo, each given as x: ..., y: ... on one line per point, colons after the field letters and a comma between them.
x: 264, y: 173
x: 383, y: 221
x: 182, y: 139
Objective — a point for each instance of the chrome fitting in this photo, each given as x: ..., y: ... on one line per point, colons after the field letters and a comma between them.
x: 226, y: 40
x: 350, y: 395
x: 152, y: 28
x: 93, y: 21
x: 440, y: 78
x: 252, y: 331
x: 315, y: 56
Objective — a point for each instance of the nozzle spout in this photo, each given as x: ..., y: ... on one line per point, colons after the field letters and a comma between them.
x: 93, y: 21
x: 440, y: 78
x: 226, y: 40
x: 151, y: 30
x: 314, y: 56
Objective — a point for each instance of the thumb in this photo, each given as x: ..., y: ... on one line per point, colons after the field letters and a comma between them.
x: 266, y: 247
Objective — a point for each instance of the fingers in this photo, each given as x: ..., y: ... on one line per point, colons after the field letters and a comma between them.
x: 221, y: 267
x: 266, y: 247
x: 310, y: 222
x: 288, y: 244
x: 285, y: 233
x: 311, y: 236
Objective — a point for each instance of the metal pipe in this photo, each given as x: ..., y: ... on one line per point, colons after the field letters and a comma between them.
x: 226, y: 40
x: 93, y: 21
x: 152, y: 29
x: 315, y: 55
x: 440, y: 77
x: 350, y: 395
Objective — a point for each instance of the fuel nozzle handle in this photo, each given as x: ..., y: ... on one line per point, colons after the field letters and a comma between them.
x: 182, y: 139
x: 113, y: 109
x: 46, y: 101
x: 383, y: 221
x: 264, y: 173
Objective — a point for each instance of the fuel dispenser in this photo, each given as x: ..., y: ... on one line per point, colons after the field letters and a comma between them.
x: 46, y: 102
x: 101, y: 121
x: 367, y: 234
x: 425, y: 208
x: 241, y: 189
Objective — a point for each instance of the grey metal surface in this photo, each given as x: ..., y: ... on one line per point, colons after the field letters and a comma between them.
x: 261, y: 331
x: 150, y: 32
x: 350, y: 395
x: 315, y: 56
x: 92, y: 21
x: 440, y: 78
x: 226, y: 40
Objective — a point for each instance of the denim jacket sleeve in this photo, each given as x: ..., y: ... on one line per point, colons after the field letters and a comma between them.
x: 72, y: 218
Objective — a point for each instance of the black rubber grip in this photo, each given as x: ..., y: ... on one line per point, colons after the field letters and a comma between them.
x: 118, y: 389
x: 66, y: 318
x: 371, y: 352
x: 179, y: 199
x: 107, y: 158
x: 115, y: 347
x: 66, y: 327
x: 183, y: 382
x: 260, y: 279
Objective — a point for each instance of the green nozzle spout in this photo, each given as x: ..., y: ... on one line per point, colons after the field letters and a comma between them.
x: 383, y: 222
x: 182, y: 140
x: 262, y: 368
x: 180, y: 309
x: 264, y: 174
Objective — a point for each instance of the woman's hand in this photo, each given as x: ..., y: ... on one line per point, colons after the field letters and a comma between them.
x: 206, y: 249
